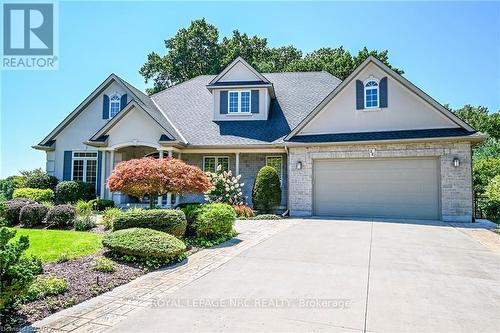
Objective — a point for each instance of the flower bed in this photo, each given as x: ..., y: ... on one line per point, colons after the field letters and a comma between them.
x: 84, y: 282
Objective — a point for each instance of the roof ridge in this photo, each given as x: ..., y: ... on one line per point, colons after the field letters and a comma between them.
x: 169, y: 121
x: 178, y: 84
x: 131, y: 85
x: 292, y: 72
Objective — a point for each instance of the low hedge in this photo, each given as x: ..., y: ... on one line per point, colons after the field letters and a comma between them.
x: 35, y: 194
x: 60, y: 216
x: 215, y: 220
x: 167, y: 220
x: 101, y: 204
x: 12, y: 209
x: 144, y: 243
x: 32, y: 214
x: 71, y: 191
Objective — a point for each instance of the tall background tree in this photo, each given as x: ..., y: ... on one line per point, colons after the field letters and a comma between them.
x: 197, y: 50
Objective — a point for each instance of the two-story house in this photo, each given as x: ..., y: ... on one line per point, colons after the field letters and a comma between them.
x: 373, y: 145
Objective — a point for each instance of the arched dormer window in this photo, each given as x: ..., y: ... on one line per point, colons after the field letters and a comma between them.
x: 114, y: 105
x: 372, y: 93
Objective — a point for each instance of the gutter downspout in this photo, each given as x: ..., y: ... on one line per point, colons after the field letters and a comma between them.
x: 287, y: 211
x: 472, y: 184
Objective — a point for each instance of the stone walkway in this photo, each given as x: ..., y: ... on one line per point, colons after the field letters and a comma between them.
x: 106, y: 310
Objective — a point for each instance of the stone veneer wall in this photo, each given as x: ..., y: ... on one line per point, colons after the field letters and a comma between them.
x: 456, y: 182
x: 250, y: 164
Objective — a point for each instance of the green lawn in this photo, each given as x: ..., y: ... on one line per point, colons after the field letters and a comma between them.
x: 50, y: 244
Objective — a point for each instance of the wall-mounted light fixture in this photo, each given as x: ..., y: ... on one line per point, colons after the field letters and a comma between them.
x: 299, y: 165
x: 372, y: 152
x: 456, y: 162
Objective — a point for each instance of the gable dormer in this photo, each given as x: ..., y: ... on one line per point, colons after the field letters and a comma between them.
x: 240, y: 93
x: 375, y: 99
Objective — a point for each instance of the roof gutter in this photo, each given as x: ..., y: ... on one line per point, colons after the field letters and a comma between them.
x: 95, y: 143
x: 44, y: 148
x: 473, y: 139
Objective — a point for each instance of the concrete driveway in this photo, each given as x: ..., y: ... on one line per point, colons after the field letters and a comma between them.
x: 342, y: 276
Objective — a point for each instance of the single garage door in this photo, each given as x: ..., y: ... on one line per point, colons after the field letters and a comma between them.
x: 394, y: 188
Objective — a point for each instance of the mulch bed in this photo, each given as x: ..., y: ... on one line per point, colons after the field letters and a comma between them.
x: 84, y: 283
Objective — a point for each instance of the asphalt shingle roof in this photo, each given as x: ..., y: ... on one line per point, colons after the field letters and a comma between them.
x: 189, y: 106
x: 386, y: 135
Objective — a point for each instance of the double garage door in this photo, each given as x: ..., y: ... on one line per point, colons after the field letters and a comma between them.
x: 392, y: 188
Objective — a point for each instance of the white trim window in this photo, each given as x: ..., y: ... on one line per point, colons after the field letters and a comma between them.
x: 372, y: 93
x: 210, y: 163
x: 114, y: 105
x: 84, y: 167
x: 277, y: 163
x: 239, y: 102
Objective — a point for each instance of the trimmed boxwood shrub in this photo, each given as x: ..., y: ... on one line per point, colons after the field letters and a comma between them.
x: 266, y: 192
x: 167, y: 220
x: 144, y: 243
x: 71, y: 191
x: 191, y: 211
x: 215, y: 220
x: 13, y: 209
x: 101, y: 204
x: 32, y: 215
x: 35, y: 194
x: 60, y: 216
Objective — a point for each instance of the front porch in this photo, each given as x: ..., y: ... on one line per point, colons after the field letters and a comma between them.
x: 244, y: 162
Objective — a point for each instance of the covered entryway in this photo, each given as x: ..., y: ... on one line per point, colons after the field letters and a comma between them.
x: 391, y: 188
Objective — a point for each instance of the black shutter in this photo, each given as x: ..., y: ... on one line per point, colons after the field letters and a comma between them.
x: 223, y: 102
x: 123, y: 101
x: 105, y: 107
x: 255, y: 101
x: 383, y: 92
x: 68, y: 159
x: 360, y: 95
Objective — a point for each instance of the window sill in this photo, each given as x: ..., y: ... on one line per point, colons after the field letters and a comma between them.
x: 371, y: 109
x: 240, y: 114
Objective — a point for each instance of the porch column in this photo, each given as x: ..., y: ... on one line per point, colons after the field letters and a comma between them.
x: 160, y: 198
x: 111, y: 167
x: 103, y: 175
x: 169, y: 195
x: 177, y: 196
x: 237, y: 171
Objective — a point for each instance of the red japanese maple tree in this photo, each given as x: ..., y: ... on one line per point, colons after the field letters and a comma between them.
x: 155, y: 177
